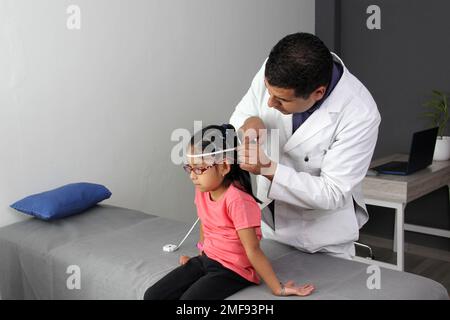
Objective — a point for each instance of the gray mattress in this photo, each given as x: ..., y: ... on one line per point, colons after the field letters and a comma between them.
x: 119, y: 253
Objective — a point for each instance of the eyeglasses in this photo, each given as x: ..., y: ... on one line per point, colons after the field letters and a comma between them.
x: 197, y: 170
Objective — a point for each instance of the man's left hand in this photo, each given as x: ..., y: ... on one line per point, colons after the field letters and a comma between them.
x: 252, y: 158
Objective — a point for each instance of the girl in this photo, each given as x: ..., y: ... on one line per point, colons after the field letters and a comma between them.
x: 230, y: 258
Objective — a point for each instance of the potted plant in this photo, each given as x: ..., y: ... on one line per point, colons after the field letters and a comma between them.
x: 439, y: 115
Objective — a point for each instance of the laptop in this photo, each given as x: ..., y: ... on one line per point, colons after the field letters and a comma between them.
x: 420, y: 155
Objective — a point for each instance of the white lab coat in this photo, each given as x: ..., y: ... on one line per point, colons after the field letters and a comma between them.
x: 319, y: 203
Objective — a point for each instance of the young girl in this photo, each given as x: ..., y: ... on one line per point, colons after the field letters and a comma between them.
x: 230, y: 258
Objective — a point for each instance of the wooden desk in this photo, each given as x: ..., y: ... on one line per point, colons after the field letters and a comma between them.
x: 396, y: 192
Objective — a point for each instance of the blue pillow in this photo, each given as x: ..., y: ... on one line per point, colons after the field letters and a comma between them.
x: 64, y: 201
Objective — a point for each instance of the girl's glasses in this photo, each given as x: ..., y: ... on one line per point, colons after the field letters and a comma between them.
x: 197, y: 170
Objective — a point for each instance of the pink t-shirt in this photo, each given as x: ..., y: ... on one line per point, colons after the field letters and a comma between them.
x: 221, y: 219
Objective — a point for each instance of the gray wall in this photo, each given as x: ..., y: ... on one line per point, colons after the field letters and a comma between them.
x: 99, y: 104
x: 400, y: 64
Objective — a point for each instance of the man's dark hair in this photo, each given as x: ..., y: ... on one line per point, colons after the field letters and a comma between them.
x: 299, y: 61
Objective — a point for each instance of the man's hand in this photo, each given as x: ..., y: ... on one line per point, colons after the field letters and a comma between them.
x: 251, y: 155
x: 252, y: 158
x: 252, y: 128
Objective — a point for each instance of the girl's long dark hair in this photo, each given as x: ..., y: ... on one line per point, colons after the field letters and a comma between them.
x: 237, y: 176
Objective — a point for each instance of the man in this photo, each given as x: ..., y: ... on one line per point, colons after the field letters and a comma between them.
x: 328, y: 127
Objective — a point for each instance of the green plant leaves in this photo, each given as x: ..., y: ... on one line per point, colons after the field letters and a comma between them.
x: 439, y: 114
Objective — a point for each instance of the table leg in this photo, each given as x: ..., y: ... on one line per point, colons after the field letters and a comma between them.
x: 399, y: 228
x: 394, y: 245
x: 400, y: 240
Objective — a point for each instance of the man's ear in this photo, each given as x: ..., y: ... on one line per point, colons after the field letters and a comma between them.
x: 319, y: 93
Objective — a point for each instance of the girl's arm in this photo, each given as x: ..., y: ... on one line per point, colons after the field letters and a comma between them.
x: 264, y: 268
x: 201, y: 232
x: 201, y: 239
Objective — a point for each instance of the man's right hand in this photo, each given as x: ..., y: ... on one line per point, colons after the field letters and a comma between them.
x: 251, y: 130
x: 251, y: 154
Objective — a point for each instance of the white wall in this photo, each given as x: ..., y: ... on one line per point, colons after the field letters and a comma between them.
x: 99, y: 104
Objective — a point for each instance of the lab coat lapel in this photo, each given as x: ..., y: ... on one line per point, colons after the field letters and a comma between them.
x: 325, y: 115
x: 316, y: 122
x: 287, y: 125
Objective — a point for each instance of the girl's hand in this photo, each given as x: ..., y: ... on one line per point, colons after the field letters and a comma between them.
x: 184, y: 259
x: 291, y: 290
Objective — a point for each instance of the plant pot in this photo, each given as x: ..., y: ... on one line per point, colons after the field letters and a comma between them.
x: 442, y: 149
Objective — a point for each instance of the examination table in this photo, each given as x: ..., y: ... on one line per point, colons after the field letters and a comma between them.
x: 116, y: 253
